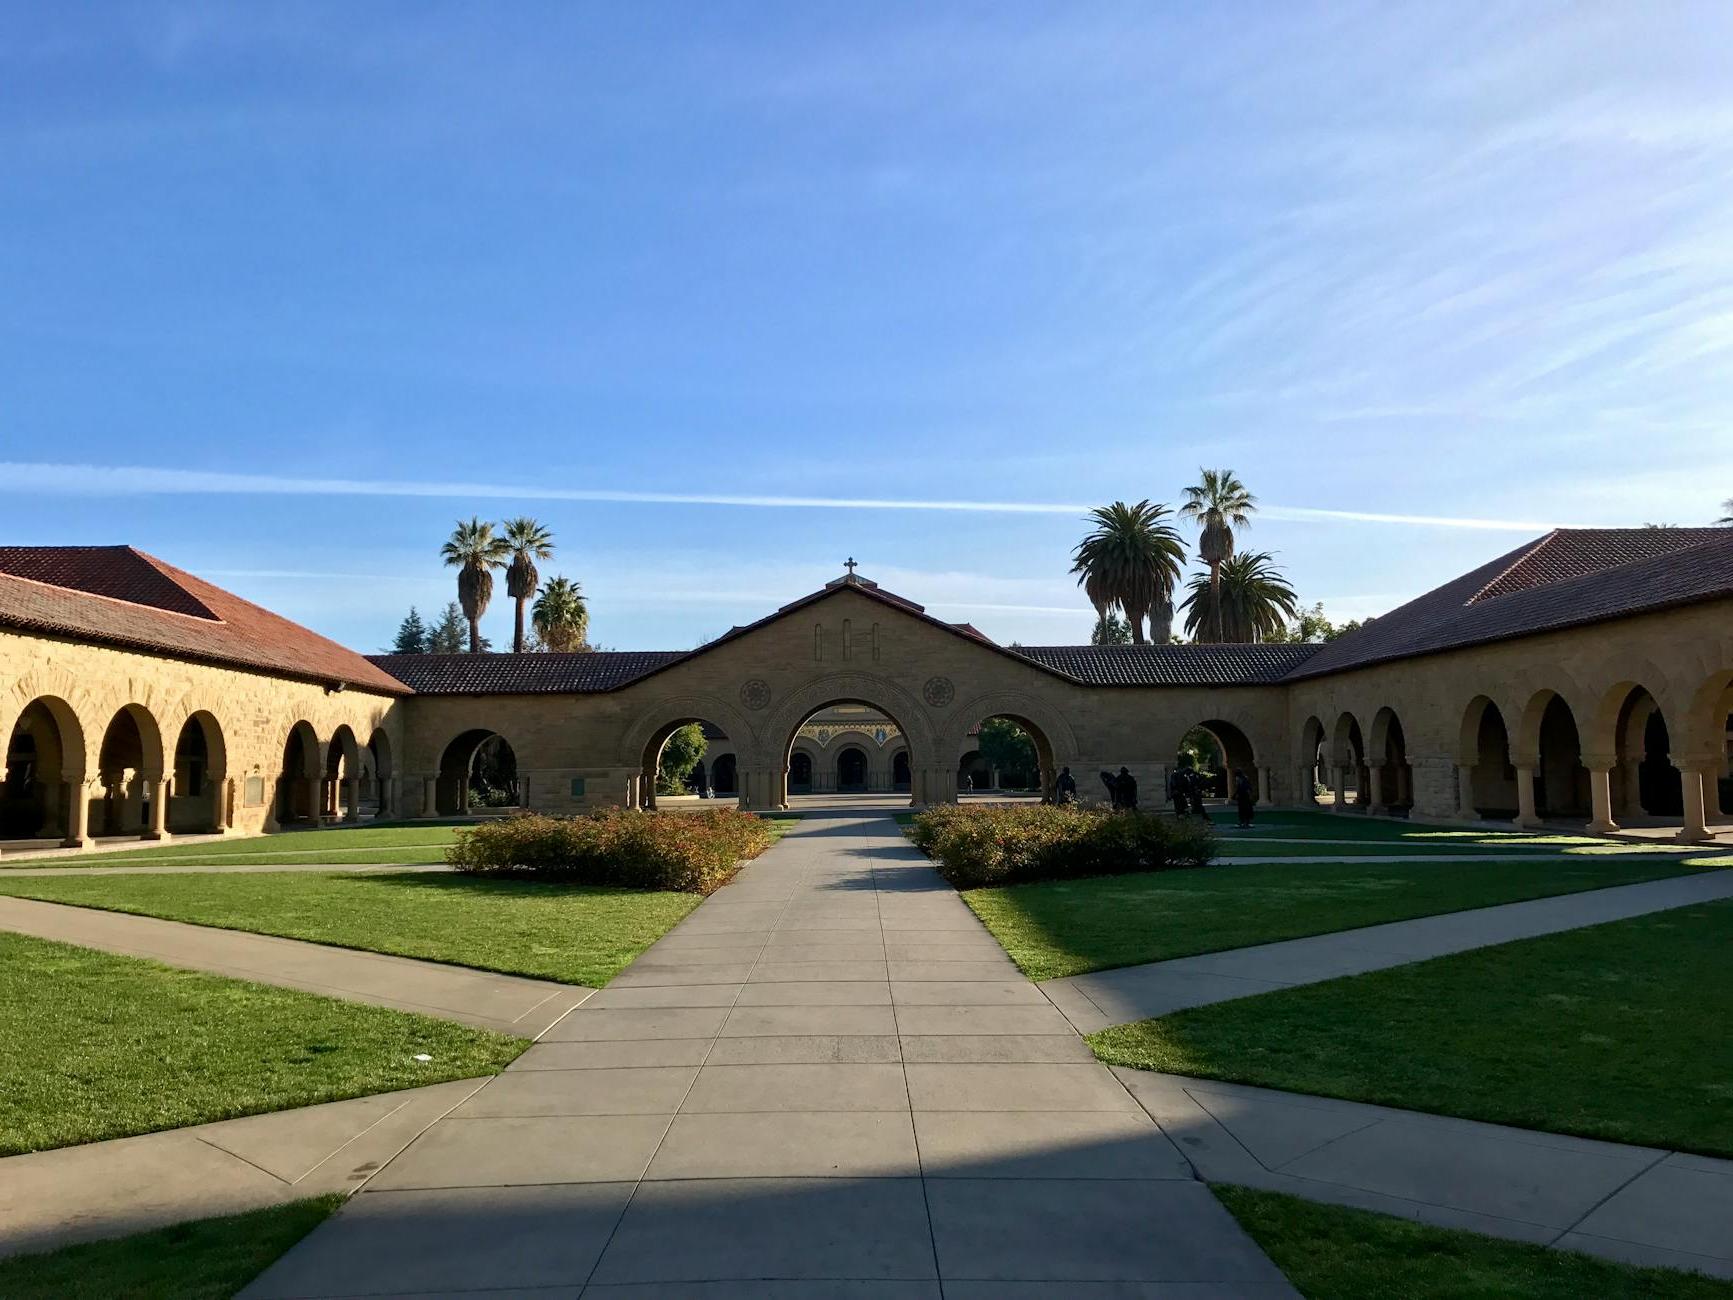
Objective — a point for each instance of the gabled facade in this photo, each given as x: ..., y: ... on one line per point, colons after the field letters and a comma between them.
x: 1587, y: 676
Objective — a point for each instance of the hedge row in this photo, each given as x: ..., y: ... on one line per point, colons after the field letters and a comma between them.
x: 696, y: 852
x: 1004, y: 844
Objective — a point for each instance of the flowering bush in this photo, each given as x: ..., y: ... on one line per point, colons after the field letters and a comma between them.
x: 1006, y: 844
x: 697, y: 852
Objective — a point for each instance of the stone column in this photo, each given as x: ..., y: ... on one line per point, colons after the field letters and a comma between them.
x: 430, y: 796
x: 230, y: 798
x: 1374, y: 789
x: 1692, y: 781
x: 77, y: 815
x: 1632, y: 804
x: 1264, y: 786
x: 159, y: 796
x: 1340, y: 802
x: 1465, y: 793
x: 352, y: 796
x: 1601, y: 796
x: 1308, y: 793
x: 391, y: 797
x: 1525, y: 814
x: 316, y: 798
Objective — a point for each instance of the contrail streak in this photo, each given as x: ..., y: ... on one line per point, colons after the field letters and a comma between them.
x: 140, y: 480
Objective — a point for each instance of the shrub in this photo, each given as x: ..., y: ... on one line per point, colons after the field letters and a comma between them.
x: 1006, y: 845
x: 696, y: 852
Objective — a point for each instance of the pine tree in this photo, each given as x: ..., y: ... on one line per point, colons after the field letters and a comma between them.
x: 411, y: 635
x: 450, y: 635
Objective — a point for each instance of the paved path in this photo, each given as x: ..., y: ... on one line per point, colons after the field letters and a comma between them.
x: 1117, y: 997
x: 111, y: 1189
x: 507, y: 1003
x: 1638, y: 1204
x: 828, y: 1080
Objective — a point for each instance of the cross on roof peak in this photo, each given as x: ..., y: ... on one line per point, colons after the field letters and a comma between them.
x: 849, y: 564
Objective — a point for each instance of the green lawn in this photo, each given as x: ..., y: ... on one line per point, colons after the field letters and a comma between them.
x: 99, y: 1046
x: 577, y: 934
x: 401, y: 845
x: 1332, y: 1253
x: 1067, y: 927
x: 208, y: 1259
x: 1617, y: 1031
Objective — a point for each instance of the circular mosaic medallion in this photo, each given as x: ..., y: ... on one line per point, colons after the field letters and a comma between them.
x: 755, y: 694
x: 938, y: 692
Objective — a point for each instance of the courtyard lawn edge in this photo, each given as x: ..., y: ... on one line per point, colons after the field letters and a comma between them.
x: 1056, y: 929
x: 457, y: 939
x: 202, y: 1259
x: 1612, y: 1032
x: 1352, y: 1254
x: 106, y: 1046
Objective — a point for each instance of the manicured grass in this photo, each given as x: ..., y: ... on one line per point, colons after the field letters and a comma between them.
x: 1617, y: 1031
x: 99, y: 1046
x: 412, y: 845
x: 1055, y: 928
x: 208, y: 1259
x: 1332, y: 1253
x: 577, y: 934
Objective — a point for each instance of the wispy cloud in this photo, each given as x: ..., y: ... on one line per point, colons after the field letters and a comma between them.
x: 39, y: 478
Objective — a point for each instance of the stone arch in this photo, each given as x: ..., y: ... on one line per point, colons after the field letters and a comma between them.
x: 198, y: 790
x: 1234, y: 743
x: 658, y: 721
x: 1314, y: 763
x: 42, y: 777
x: 933, y: 781
x: 1392, y: 775
x: 1349, y: 754
x: 1055, y: 741
x: 129, y: 767
x: 300, y: 776
x: 385, y: 783
x: 341, y: 795
x: 458, y: 762
x: 1487, y: 786
x: 1609, y: 713
x: 1550, y: 743
x: 850, y: 760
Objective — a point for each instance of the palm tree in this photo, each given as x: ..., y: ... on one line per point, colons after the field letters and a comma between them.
x: 1247, y: 600
x: 1218, y: 505
x: 562, y: 618
x: 475, y: 553
x: 1727, y: 518
x: 1131, y: 559
x: 529, y: 541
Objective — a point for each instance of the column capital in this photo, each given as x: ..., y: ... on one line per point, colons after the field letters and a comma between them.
x: 1599, y: 762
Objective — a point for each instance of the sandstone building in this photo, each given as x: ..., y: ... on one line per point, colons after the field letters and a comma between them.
x: 1585, y: 677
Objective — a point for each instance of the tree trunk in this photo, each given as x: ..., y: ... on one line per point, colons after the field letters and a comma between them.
x: 475, y: 636
x: 517, y: 636
x: 1134, y: 616
x: 1215, y: 587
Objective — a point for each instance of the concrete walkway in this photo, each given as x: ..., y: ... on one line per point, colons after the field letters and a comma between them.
x: 1636, y: 1204
x: 1130, y: 993
x: 111, y: 1189
x: 828, y: 1080
x: 506, y: 1003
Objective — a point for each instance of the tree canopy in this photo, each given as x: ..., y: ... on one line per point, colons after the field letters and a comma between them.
x: 679, y: 756
x: 411, y: 635
x: 1249, y: 600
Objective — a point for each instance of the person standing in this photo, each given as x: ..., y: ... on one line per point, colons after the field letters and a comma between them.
x: 1243, y: 799
x: 1176, y: 784
x: 1065, y: 788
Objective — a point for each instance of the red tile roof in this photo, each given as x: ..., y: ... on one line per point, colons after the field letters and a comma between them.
x: 580, y: 672
x: 115, y: 595
x: 1171, y: 665
x: 1568, y: 578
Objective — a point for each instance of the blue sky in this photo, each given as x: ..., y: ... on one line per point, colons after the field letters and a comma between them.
x: 284, y: 289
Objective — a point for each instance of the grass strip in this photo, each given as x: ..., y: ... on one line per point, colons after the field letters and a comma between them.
x: 207, y: 1259
x: 1615, y: 1031
x: 576, y: 934
x: 101, y: 1046
x: 1330, y: 1252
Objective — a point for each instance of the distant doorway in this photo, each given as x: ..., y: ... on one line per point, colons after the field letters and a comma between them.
x: 851, y: 771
